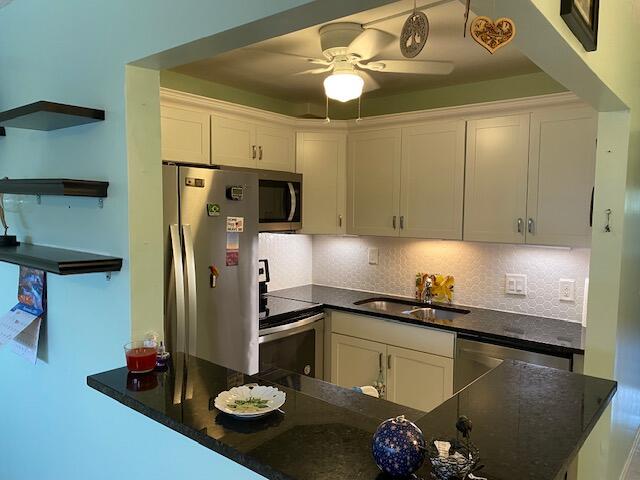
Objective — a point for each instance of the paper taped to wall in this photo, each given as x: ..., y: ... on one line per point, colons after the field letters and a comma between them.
x: 21, y: 325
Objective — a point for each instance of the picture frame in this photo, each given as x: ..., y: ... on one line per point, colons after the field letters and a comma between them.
x: 582, y: 18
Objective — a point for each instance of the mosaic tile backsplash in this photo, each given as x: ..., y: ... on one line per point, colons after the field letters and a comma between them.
x: 289, y: 259
x: 479, y: 270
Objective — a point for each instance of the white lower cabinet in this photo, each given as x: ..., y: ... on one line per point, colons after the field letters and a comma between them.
x: 417, y: 379
x: 366, y: 349
x: 356, y: 362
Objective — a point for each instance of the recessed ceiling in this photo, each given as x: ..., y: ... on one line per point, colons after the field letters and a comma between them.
x: 257, y: 69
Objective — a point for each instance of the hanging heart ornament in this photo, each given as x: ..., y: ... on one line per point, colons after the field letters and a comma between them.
x: 492, y: 35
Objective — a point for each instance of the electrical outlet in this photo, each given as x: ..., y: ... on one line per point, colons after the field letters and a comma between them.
x: 567, y: 290
x: 374, y: 255
x: 515, y: 284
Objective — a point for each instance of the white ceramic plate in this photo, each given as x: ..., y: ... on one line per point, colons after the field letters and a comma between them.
x: 273, y: 398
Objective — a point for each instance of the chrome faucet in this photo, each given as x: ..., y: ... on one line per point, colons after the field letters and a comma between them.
x: 427, y: 293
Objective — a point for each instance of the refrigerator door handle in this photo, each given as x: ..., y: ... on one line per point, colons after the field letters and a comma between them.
x: 190, y: 261
x: 178, y: 272
x: 292, y: 192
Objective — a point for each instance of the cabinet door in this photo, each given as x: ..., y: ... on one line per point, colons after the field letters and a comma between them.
x: 276, y: 148
x: 233, y: 142
x: 356, y: 362
x: 496, y: 179
x: 373, y: 183
x: 185, y: 135
x: 561, y: 177
x: 321, y: 159
x: 418, y: 380
x: 432, y: 186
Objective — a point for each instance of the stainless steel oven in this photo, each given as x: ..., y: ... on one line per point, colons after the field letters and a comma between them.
x: 297, y: 346
x: 280, y: 203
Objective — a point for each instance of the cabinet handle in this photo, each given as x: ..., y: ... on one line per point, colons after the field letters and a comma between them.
x: 519, y: 225
x: 253, y: 149
x: 380, y: 362
x: 394, y: 222
x: 401, y: 222
x: 340, y: 220
x: 530, y: 225
x: 389, y: 362
x: 260, y: 152
x: 593, y: 191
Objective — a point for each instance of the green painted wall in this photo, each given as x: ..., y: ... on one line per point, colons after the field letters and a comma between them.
x: 463, y: 94
x: 185, y: 83
x: 491, y: 90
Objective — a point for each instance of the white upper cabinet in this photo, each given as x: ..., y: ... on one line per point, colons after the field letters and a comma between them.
x: 432, y: 186
x: 233, y: 142
x: 321, y: 159
x: 373, y: 182
x: 185, y: 135
x: 276, y: 148
x: 238, y: 142
x: 495, y: 202
x: 561, y: 177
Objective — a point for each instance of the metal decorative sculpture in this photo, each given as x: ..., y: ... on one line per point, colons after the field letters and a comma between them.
x: 414, y: 33
x: 5, y: 240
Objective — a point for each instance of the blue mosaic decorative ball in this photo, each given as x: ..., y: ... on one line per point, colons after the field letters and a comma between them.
x: 398, y: 447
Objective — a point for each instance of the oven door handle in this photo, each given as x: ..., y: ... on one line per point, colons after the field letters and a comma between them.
x: 292, y: 193
x: 283, y: 331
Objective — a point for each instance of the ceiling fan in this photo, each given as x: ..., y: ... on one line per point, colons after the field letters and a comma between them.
x: 350, y: 52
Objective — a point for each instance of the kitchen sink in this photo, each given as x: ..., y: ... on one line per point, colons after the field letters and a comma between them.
x: 417, y: 310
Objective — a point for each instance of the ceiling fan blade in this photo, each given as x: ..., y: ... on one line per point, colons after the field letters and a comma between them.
x: 282, y: 55
x: 421, y: 67
x: 315, y: 71
x: 370, y: 43
x: 369, y: 82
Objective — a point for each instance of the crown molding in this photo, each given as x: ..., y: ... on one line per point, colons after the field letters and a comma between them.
x: 477, y: 110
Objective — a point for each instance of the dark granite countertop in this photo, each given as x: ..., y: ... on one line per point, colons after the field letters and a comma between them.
x: 274, y: 309
x: 540, y: 334
x: 529, y: 421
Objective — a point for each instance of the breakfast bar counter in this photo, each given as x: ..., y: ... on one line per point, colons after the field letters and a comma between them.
x: 528, y: 421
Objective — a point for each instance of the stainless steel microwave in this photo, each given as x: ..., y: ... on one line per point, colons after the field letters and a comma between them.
x: 280, y: 199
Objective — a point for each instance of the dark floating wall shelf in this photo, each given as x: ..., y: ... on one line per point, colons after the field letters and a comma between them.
x: 45, y: 115
x: 55, y: 186
x: 59, y: 261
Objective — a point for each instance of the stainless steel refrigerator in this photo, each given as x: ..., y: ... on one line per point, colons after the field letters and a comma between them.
x: 211, y: 264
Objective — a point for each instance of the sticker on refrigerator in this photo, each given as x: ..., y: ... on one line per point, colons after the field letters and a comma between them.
x: 213, y: 209
x: 233, y: 249
x: 235, y: 224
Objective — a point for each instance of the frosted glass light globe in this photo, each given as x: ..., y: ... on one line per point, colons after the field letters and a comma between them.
x: 343, y: 86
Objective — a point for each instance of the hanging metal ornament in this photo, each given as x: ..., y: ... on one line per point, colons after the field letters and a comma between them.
x: 414, y: 33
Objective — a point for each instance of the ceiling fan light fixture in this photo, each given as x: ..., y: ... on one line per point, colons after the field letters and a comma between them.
x: 343, y: 86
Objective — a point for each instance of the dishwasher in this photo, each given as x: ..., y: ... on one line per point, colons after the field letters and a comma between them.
x: 474, y: 359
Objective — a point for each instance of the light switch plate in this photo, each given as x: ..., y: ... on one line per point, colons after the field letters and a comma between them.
x: 515, y: 284
x: 374, y: 255
x: 567, y: 290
